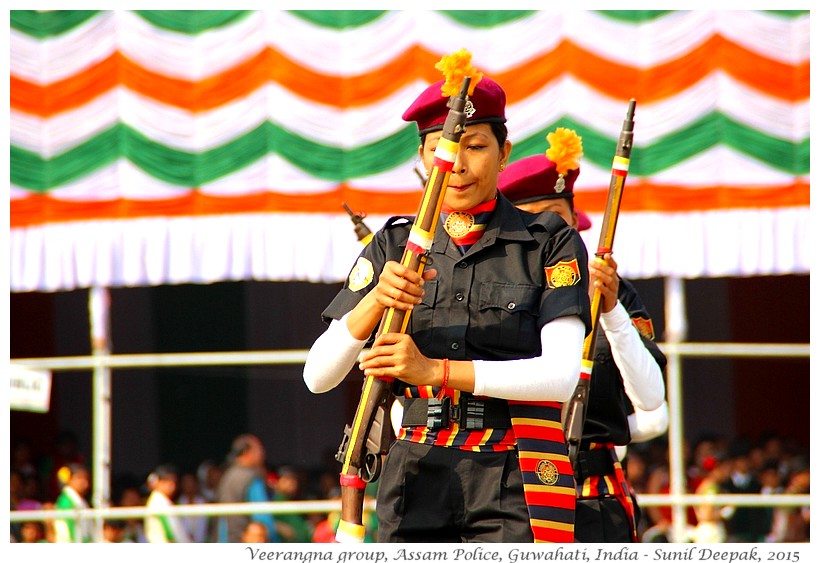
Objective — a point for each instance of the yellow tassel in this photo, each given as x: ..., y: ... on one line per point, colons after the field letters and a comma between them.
x: 565, y: 149
x: 455, y: 68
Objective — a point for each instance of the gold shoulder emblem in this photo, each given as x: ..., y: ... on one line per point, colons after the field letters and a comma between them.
x: 563, y: 274
x: 360, y: 275
x: 644, y: 326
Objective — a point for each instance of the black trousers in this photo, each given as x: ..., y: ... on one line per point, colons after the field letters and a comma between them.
x: 437, y: 494
x: 601, y: 520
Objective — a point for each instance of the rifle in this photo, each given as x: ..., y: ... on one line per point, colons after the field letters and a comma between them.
x: 363, y: 233
x: 362, y: 448
x: 576, y: 407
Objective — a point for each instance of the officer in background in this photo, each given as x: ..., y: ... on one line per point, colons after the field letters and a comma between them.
x: 627, y: 385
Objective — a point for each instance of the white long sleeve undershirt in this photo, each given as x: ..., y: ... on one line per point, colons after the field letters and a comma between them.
x: 331, y: 357
x: 552, y: 376
x: 549, y: 377
x: 643, y: 382
x: 645, y: 425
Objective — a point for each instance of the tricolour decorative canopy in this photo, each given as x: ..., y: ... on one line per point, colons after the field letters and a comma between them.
x: 158, y: 147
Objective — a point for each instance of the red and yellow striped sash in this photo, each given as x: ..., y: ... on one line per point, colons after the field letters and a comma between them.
x: 549, y: 483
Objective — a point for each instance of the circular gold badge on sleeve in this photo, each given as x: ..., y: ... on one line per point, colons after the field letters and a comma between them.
x: 563, y: 276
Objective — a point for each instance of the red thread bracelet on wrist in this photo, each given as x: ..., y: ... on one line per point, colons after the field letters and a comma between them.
x: 446, y: 377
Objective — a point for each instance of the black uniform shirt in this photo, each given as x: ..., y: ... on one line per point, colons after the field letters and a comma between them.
x: 609, y: 406
x: 490, y: 303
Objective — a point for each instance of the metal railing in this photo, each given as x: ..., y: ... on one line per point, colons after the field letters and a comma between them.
x: 101, y: 362
x: 294, y: 357
x: 674, y: 352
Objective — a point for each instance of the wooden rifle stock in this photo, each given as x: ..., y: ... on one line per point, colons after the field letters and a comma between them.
x: 362, y: 463
x: 575, y: 408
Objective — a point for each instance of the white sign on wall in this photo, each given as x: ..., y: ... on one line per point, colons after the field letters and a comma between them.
x: 30, y: 389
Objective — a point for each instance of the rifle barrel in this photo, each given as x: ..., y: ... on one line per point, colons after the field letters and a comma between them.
x: 576, y: 409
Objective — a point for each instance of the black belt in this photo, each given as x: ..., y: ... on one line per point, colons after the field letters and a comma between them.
x: 470, y: 413
x: 594, y: 462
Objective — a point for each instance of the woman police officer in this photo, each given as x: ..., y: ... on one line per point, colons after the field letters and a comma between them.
x: 497, y: 329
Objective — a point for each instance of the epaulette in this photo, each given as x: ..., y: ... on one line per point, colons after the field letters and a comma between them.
x: 547, y: 220
x: 398, y: 220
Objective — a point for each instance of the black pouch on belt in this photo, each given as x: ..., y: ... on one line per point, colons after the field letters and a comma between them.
x: 470, y: 413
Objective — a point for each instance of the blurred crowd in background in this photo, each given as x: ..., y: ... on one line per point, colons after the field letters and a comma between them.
x: 767, y: 465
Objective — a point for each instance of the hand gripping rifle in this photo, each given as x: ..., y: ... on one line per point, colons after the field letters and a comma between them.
x: 575, y: 411
x: 361, y: 449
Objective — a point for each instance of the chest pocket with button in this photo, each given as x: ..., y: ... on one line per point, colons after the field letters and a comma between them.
x: 421, y: 318
x: 507, y: 319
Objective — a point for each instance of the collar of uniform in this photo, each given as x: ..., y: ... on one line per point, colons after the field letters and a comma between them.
x: 505, y: 223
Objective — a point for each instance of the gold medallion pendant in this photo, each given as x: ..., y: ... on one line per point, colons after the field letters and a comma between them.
x: 458, y: 224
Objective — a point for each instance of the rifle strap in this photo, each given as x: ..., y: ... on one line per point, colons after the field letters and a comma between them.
x: 549, y: 483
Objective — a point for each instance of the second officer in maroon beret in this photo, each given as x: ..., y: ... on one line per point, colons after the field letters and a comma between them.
x: 626, y: 399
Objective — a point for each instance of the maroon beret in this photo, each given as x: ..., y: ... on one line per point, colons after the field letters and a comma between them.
x: 584, y: 221
x: 485, y: 105
x: 535, y: 178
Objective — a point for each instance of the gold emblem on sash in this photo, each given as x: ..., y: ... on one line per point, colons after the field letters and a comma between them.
x: 546, y: 472
x: 458, y: 223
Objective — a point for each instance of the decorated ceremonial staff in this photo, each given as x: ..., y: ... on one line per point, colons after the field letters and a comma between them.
x: 360, y: 454
x: 575, y: 411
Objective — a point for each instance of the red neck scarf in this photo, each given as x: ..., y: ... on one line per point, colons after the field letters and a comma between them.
x: 466, y: 226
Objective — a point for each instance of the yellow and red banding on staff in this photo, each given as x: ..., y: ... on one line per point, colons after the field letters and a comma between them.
x: 620, y: 166
x: 420, y: 240
x: 346, y: 480
x: 348, y: 532
x: 445, y: 155
x: 586, y: 369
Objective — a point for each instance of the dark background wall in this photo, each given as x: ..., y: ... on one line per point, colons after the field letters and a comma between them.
x: 187, y: 415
